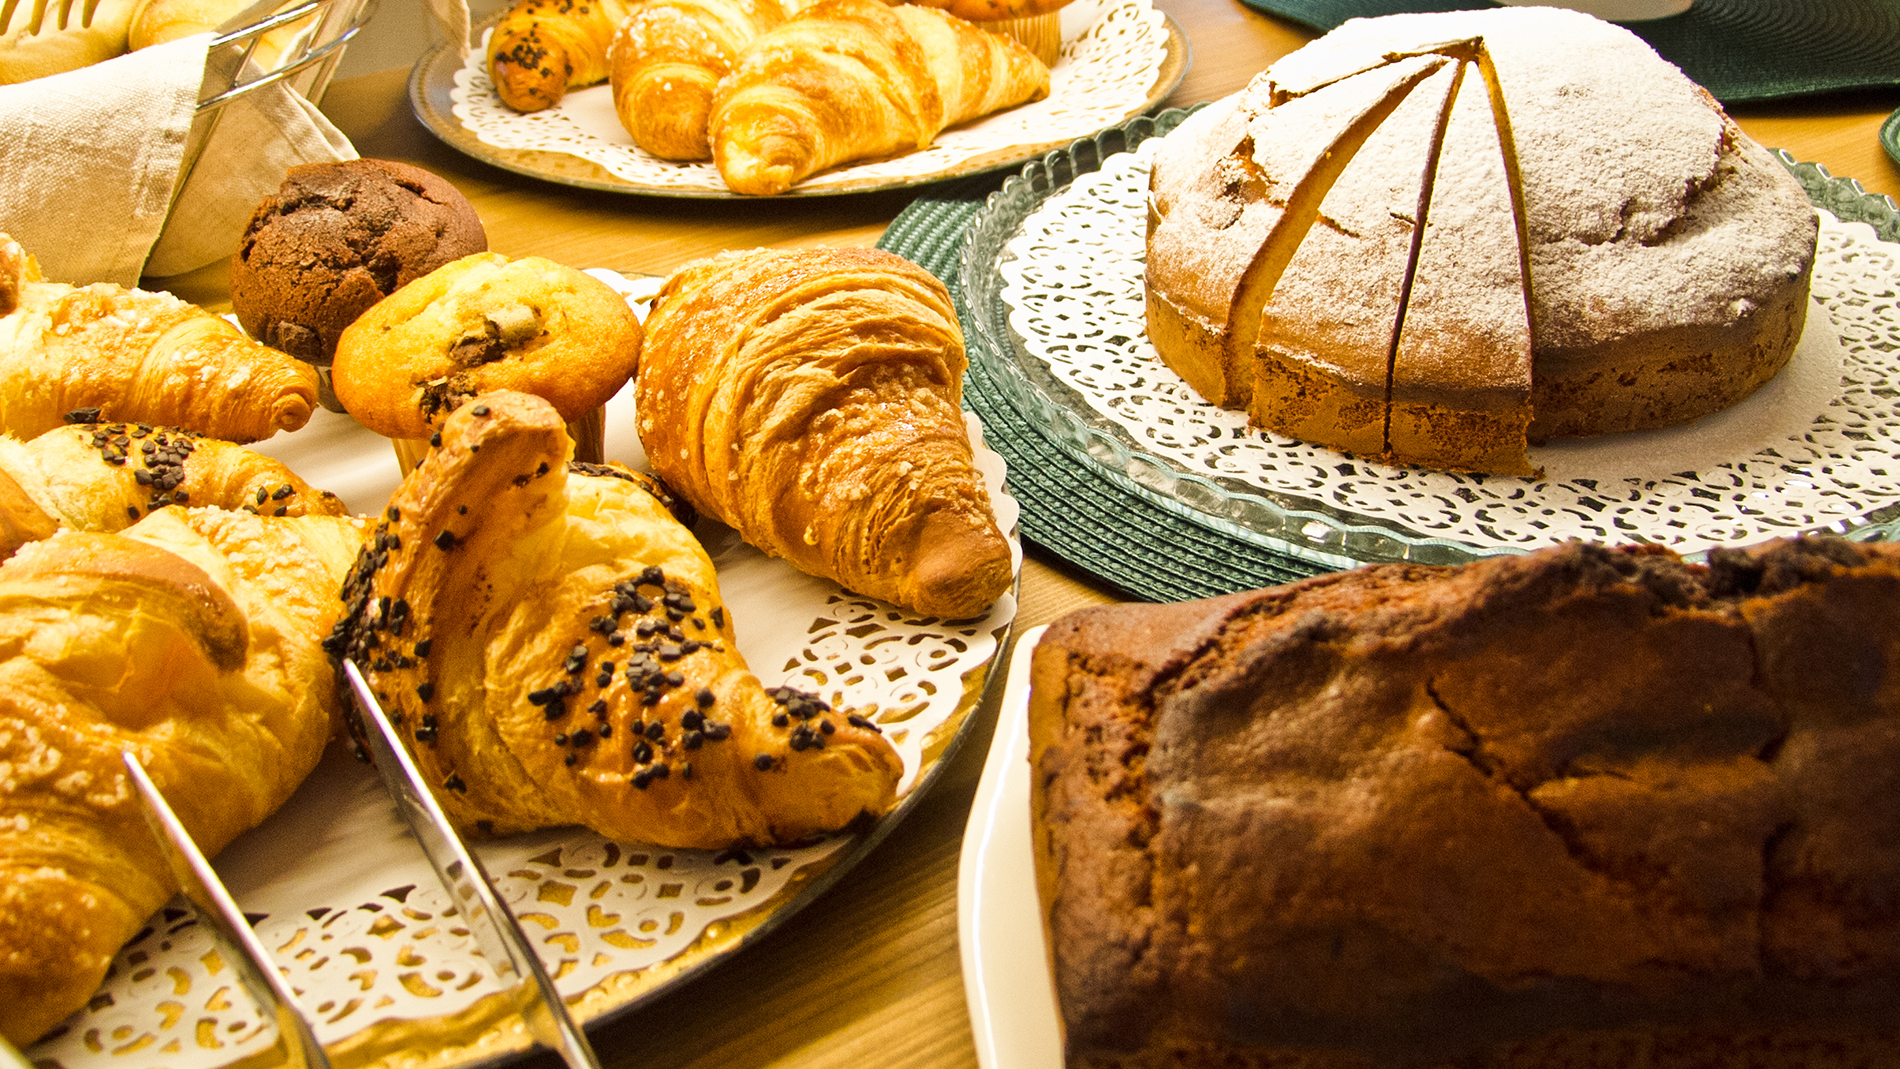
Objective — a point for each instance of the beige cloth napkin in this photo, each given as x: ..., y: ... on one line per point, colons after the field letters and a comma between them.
x: 91, y: 158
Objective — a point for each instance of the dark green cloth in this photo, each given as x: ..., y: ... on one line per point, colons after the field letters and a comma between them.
x: 1739, y: 50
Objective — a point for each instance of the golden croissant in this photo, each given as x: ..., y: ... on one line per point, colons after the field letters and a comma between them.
x: 106, y: 476
x: 666, y: 62
x: 193, y: 640
x: 542, y: 48
x: 554, y: 648
x: 104, y: 353
x: 811, y: 400
x: 849, y: 80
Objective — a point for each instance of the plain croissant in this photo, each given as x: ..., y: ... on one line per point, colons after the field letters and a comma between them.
x: 666, y: 62
x: 193, y: 640
x: 811, y: 399
x: 553, y: 643
x: 104, y: 353
x: 542, y: 48
x: 850, y: 80
x: 106, y: 476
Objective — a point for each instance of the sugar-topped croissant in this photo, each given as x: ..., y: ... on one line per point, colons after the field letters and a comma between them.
x: 542, y: 48
x: 106, y: 353
x: 106, y: 476
x: 666, y: 62
x: 553, y: 645
x: 811, y: 400
x: 848, y: 80
x: 194, y: 640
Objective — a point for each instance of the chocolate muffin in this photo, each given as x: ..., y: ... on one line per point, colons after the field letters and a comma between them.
x: 335, y: 239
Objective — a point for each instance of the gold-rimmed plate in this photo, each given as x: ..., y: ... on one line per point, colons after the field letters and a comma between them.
x: 1120, y: 58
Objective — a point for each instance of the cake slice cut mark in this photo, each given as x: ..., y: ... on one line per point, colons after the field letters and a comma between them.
x: 1422, y: 214
x: 1323, y: 350
x: 1461, y: 370
x: 1291, y: 142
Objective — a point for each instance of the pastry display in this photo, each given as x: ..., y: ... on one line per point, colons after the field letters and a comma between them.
x: 542, y: 48
x: 108, y: 476
x: 666, y: 62
x: 191, y: 640
x: 481, y: 323
x: 556, y: 647
x: 848, y: 80
x: 104, y: 353
x: 1583, y: 807
x: 335, y: 239
x: 1537, y: 242
x: 810, y: 399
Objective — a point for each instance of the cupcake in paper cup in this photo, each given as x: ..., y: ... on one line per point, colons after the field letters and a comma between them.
x: 1036, y: 23
x: 481, y: 323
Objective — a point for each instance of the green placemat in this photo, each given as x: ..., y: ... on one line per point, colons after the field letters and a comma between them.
x: 1739, y: 50
x: 1068, y: 510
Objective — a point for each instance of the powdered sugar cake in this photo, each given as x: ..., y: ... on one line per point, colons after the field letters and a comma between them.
x: 1667, y: 255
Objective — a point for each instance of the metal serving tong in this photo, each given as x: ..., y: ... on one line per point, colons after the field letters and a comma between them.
x: 255, y: 971
x: 497, y: 933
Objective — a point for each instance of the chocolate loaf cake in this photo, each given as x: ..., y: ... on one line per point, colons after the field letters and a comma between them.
x: 1586, y: 807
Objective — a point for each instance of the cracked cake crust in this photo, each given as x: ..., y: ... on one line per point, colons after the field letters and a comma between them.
x: 1529, y: 810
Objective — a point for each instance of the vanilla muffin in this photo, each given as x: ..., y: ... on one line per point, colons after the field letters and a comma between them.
x: 483, y: 323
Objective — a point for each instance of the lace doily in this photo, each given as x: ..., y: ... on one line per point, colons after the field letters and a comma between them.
x: 1072, y: 285
x: 1112, y: 51
x: 340, y: 893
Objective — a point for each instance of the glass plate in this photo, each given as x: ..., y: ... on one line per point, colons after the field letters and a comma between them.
x: 339, y: 892
x: 1120, y: 58
x: 1447, y: 518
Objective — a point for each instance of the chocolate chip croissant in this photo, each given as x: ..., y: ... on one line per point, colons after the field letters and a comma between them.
x: 552, y: 644
x: 811, y: 400
x: 106, y: 476
x: 129, y: 354
x: 193, y: 640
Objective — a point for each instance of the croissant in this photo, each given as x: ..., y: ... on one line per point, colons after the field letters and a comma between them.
x: 192, y: 639
x: 542, y: 48
x: 553, y: 643
x: 853, y: 79
x: 106, y: 353
x: 105, y: 476
x: 666, y: 62
x: 811, y: 400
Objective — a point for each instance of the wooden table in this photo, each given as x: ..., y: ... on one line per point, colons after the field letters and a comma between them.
x: 868, y: 976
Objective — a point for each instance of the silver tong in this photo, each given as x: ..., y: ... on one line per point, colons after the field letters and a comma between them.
x: 497, y: 934
x: 212, y: 902
x: 496, y: 931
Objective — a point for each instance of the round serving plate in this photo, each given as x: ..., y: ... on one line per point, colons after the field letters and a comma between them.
x: 1051, y: 278
x: 1119, y: 58
x: 341, y: 895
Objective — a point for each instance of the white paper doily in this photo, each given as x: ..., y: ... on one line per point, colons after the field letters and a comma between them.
x: 1815, y: 450
x: 341, y: 894
x: 1112, y: 52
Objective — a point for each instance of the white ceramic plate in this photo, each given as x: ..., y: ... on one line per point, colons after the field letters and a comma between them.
x: 999, y: 921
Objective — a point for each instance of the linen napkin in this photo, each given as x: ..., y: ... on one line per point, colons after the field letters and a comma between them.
x: 93, y: 158
x: 90, y: 156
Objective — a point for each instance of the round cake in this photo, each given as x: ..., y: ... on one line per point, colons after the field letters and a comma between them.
x: 1436, y: 239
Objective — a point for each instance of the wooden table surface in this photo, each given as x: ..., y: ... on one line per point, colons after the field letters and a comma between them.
x: 868, y: 975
